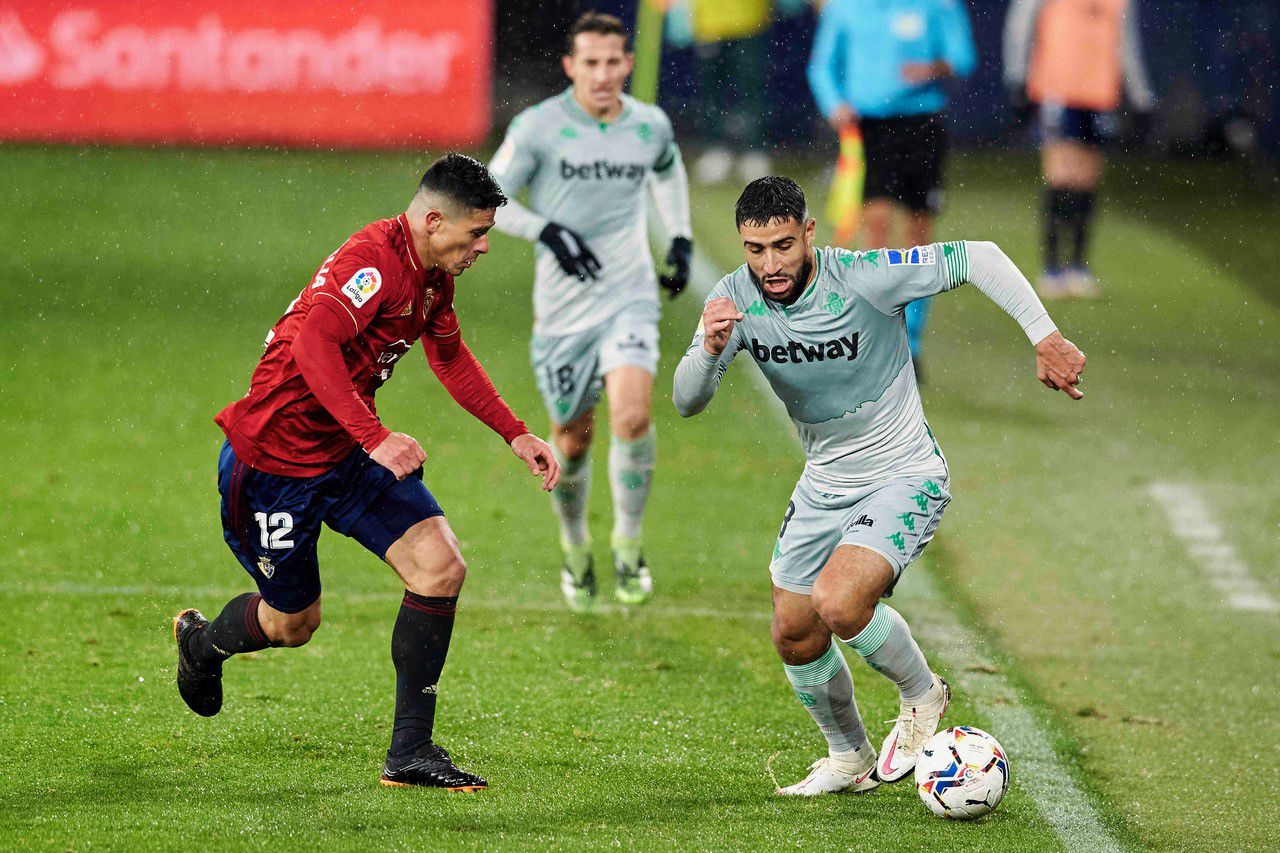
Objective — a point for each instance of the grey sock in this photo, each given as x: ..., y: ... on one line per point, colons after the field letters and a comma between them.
x: 825, y: 688
x: 630, y: 477
x: 887, y: 646
x: 569, y: 498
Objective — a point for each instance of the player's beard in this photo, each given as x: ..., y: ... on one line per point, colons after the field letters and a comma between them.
x: 797, y: 282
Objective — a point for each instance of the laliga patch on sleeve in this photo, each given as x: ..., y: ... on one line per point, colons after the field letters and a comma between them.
x: 920, y: 256
x: 363, y: 285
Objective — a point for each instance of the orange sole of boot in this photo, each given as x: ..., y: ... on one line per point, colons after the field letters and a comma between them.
x: 463, y: 789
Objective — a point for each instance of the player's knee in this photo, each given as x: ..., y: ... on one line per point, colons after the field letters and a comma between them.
x: 296, y: 632
x: 630, y: 423
x: 573, y: 440
x: 845, y: 611
x: 434, y: 573
x: 798, y: 643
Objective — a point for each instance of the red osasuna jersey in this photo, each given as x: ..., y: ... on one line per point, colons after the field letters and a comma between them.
x: 310, y: 400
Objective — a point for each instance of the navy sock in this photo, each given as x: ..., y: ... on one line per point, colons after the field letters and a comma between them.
x: 1052, y: 226
x: 419, y: 645
x: 1081, y: 220
x: 1055, y: 222
x: 234, y: 632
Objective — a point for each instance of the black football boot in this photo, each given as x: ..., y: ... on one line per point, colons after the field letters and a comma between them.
x: 431, y: 768
x: 200, y: 687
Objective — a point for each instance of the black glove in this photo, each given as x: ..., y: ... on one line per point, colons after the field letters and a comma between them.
x: 679, y: 261
x: 571, y: 251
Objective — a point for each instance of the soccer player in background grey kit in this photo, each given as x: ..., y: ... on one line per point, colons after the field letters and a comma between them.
x: 587, y: 156
x: 825, y: 327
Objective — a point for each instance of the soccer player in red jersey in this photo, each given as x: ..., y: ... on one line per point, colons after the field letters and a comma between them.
x: 305, y: 446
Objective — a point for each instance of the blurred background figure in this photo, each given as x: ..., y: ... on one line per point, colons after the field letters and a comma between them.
x: 729, y: 38
x: 1071, y: 59
x: 882, y: 65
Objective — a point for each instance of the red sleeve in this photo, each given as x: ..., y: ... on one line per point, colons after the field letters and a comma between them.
x: 468, y: 384
x: 352, y: 285
x: 317, y: 350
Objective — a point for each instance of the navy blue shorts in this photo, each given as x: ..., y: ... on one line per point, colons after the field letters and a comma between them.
x: 1059, y: 123
x: 272, y: 523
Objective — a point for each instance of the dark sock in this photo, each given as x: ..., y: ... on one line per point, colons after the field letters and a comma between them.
x: 419, y: 644
x: 1081, y: 220
x: 234, y: 632
x: 1054, y: 224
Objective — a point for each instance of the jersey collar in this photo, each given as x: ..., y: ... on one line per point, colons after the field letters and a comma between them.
x: 813, y: 285
x: 414, y: 261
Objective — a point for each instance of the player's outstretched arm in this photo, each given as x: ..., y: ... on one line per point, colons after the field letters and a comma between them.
x: 699, y: 372
x: 1058, y: 362
x: 317, y: 351
x: 537, y: 454
x: 467, y: 383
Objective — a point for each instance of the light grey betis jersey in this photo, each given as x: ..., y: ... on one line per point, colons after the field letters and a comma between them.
x: 588, y: 176
x: 838, y: 359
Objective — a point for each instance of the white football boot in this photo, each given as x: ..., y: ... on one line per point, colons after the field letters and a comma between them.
x: 829, y: 776
x: 917, y: 722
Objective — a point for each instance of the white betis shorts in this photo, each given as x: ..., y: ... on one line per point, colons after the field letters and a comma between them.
x: 896, y: 519
x: 570, y: 369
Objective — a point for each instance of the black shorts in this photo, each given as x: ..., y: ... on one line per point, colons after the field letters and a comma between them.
x: 904, y: 160
x: 1060, y: 123
x: 272, y: 523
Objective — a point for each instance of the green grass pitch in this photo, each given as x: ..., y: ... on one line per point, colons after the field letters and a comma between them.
x: 138, y: 286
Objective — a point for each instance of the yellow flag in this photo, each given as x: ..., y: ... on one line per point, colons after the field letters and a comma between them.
x: 844, y: 200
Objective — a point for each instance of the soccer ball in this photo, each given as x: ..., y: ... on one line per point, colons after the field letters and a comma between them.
x: 962, y: 773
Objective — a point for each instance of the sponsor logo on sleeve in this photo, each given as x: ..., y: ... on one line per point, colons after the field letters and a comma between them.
x: 362, y: 286
x: 920, y: 256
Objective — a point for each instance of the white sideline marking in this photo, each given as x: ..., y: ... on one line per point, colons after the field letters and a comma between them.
x: 1032, y: 758
x: 1033, y: 761
x: 1191, y: 520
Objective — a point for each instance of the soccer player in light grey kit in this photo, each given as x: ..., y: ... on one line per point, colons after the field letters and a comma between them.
x: 587, y: 156
x: 826, y: 328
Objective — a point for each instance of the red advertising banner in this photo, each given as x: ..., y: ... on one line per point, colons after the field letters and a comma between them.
x: 368, y: 73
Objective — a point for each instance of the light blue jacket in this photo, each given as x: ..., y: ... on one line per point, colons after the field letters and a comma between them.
x: 861, y: 46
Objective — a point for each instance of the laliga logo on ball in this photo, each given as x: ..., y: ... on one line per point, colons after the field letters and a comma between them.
x: 21, y: 58
x: 962, y: 773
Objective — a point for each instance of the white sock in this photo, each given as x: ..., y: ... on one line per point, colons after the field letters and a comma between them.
x: 887, y: 646
x: 630, y: 477
x: 569, y: 497
x: 825, y: 688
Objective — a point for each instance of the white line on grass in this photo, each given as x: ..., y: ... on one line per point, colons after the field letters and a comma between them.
x: 391, y: 596
x: 1192, y: 521
x: 1034, y: 762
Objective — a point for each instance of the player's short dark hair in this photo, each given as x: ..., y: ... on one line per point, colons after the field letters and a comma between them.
x: 769, y: 198
x: 463, y: 180
x: 600, y: 24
